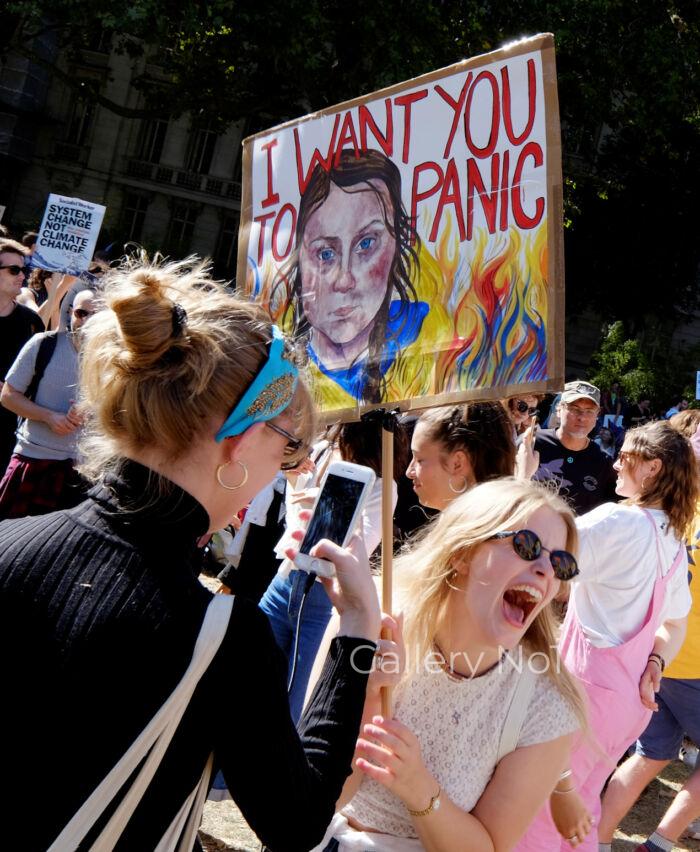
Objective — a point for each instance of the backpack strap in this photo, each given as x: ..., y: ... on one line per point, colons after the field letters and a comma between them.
x: 46, y: 349
x: 517, y: 710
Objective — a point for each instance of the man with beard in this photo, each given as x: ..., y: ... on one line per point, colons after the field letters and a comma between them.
x: 583, y: 472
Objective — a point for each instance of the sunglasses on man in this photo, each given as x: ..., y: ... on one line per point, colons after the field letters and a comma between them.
x: 528, y: 546
x: 14, y: 269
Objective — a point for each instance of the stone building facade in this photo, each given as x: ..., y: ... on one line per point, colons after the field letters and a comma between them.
x: 167, y: 185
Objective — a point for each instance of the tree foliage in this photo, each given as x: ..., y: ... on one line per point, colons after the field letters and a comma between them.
x: 645, y: 372
x: 629, y: 88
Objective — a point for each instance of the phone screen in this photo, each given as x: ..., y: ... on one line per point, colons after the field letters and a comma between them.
x: 334, y: 511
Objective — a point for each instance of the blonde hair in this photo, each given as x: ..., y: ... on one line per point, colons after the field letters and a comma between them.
x: 423, y: 574
x: 686, y: 422
x: 675, y: 486
x: 153, y: 378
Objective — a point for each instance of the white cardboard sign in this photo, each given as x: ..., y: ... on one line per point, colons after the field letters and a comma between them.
x: 68, y: 234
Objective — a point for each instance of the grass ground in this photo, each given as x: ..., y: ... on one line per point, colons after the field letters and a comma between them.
x: 224, y: 829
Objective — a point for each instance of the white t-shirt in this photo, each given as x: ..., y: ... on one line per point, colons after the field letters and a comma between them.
x: 459, y: 725
x: 618, y: 559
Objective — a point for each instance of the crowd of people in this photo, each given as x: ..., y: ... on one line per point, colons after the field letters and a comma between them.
x: 542, y: 578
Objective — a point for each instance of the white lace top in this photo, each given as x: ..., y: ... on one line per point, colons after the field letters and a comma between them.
x: 459, y: 724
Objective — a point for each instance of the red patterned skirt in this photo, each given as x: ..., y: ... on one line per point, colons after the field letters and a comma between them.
x: 39, y: 486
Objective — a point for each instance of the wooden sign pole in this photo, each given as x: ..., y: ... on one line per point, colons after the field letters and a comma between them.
x: 388, y: 427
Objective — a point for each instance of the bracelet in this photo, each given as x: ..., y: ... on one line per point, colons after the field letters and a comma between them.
x: 433, y: 806
x: 561, y: 792
x: 658, y: 659
x: 567, y: 773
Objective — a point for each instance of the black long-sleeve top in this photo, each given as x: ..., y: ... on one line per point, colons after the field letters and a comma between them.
x: 100, y: 607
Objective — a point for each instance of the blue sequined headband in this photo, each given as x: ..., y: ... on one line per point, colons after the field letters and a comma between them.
x: 269, y: 394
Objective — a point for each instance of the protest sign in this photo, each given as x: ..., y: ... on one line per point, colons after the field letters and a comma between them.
x: 68, y: 234
x: 411, y: 239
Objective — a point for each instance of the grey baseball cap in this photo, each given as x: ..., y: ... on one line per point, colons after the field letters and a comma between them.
x: 580, y: 390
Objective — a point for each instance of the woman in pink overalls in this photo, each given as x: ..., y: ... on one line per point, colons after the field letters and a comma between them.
x: 625, y: 620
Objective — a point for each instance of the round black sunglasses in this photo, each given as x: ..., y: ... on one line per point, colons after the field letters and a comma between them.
x: 522, y: 407
x: 528, y: 546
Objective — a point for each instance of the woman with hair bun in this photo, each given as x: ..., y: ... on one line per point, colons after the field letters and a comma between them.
x: 455, y: 447
x: 193, y: 402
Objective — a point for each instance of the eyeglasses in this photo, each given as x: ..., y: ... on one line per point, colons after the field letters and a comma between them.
x: 14, y: 269
x: 581, y: 412
x: 521, y: 406
x: 528, y: 546
x: 627, y: 458
x: 81, y: 313
x: 295, y: 447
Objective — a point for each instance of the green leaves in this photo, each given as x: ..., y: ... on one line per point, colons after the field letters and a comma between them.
x: 629, y: 92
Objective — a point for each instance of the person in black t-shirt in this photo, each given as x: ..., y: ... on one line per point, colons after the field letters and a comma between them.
x: 17, y: 325
x: 583, y: 472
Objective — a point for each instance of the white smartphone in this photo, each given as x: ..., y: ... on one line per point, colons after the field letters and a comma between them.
x: 336, y: 512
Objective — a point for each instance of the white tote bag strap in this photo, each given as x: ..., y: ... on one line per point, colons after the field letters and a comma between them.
x: 182, y: 831
x: 517, y: 711
x: 153, y: 741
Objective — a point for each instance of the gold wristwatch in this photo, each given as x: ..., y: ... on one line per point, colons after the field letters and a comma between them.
x: 433, y: 806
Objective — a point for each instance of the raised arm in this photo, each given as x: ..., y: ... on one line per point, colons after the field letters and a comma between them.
x: 285, y: 782
x: 56, y: 286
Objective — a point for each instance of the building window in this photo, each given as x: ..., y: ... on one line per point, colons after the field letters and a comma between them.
x: 201, y: 150
x: 151, y: 140
x: 80, y: 121
x: 226, y: 247
x: 99, y: 40
x: 133, y: 216
x: 181, y: 228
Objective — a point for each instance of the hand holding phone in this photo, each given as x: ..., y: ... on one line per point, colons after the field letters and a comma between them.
x: 336, y: 513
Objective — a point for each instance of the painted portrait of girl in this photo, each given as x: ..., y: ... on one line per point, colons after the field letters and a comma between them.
x: 351, y: 297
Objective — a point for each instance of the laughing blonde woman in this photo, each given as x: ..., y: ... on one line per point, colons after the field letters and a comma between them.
x: 484, y: 714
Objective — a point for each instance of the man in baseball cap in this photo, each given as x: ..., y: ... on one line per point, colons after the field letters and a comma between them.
x: 583, y: 472
x: 581, y: 390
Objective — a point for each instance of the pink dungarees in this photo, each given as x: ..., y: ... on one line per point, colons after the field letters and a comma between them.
x: 616, y: 715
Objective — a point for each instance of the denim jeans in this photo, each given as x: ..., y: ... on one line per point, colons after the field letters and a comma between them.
x: 281, y: 604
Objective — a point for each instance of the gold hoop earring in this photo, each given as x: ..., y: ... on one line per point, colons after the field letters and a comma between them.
x: 231, y: 487
x: 451, y: 586
x: 458, y: 490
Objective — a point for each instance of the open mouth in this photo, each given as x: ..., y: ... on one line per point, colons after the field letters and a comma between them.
x: 519, y: 602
